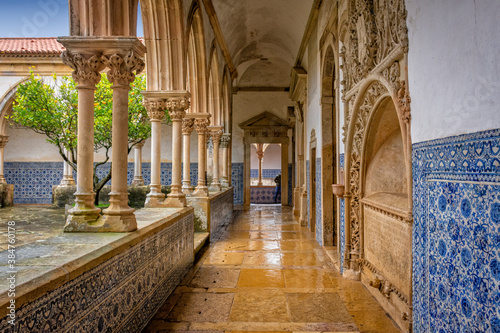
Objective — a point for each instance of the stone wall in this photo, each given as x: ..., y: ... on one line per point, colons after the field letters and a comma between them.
x: 221, y: 212
x: 123, y: 292
x: 456, y: 236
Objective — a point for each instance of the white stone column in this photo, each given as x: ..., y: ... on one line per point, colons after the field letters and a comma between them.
x: 216, y: 132
x: 3, y: 141
x: 86, y: 67
x: 67, y: 179
x: 156, y: 113
x: 187, y: 129
x: 260, y: 156
x: 138, y: 180
x: 225, y: 142
x: 177, y: 106
x: 122, y: 67
x: 201, y: 127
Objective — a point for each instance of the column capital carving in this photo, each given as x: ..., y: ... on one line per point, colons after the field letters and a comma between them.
x: 122, y: 67
x: 201, y: 125
x: 225, y: 140
x: 216, y: 135
x: 86, y: 69
x: 260, y: 154
x: 155, y: 108
x: 140, y: 144
x: 3, y: 140
x: 187, y: 126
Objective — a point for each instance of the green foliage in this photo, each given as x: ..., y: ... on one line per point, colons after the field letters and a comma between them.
x: 52, y: 110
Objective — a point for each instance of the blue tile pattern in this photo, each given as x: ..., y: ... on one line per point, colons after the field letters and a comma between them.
x: 237, y: 182
x: 263, y: 194
x: 456, y: 234
x: 319, y: 220
x: 266, y: 173
x: 342, y: 224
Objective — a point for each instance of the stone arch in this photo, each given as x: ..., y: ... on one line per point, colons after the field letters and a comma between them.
x: 196, y: 60
x: 328, y: 165
x: 6, y: 104
x: 378, y: 190
x: 214, y: 96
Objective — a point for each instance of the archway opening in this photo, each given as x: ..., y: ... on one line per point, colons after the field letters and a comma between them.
x: 265, y: 173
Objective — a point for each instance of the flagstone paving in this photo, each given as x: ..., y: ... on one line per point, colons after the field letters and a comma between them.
x: 268, y: 274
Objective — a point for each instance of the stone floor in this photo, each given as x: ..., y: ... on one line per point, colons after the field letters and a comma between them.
x: 267, y: 274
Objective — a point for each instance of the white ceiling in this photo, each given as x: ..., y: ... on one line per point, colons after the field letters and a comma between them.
x: 263, y: 37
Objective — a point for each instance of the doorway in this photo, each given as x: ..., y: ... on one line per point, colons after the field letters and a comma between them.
x: 265, y: 171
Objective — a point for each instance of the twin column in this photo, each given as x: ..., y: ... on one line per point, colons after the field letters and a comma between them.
x: 88, y: 57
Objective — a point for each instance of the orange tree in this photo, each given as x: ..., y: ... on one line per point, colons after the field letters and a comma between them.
x: 52, y: 110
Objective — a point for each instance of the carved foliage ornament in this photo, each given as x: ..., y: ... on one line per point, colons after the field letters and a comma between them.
x: 122, y: 68
x: 373, y: 93
x: 404, y: 102
x: 156, y: 109
x: 376, y: 27
x: 187, y: 126
x: 86, y: 70
x: 201, y: 125
x: 216, y: 135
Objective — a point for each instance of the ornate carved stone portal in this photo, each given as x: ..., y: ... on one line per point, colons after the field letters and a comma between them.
x: 378, y: 196
x: 266, y: 128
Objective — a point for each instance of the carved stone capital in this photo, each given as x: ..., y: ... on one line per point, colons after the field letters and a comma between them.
x: 123, y: 68
x: 155, y: 108
x: 225, y: 140
x: 86, y: 69
x: 260, y: 154
x: 3, y: 140
x: 201, y: 125
x: 216, y: 135
x: 404, y: 102
x: 140, y: 144
x: 187, y: 126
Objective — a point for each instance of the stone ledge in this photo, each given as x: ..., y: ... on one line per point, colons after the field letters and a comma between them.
x: 48, y: 264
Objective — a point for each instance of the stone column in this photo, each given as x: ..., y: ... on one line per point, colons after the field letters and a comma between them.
x: 121, y: 74
x: 67, y: 179
x: 156, y: 113
x: 225, y: 141
x: 86, y: 68
x: 3, y: 141
x: 201, y: 127
x: 138, y: 180
x: 187, y: 129
x: 216, y: 132
x: 177, y: 106
x: 260, y: 156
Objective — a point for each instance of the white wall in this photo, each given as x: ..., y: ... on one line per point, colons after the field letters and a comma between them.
x: 250, y: 104
x: 454, y: 72
x: 313, y: 114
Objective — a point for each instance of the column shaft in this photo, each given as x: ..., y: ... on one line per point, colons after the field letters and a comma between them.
x: 187, y: 129
x: 138, y: 180
x: 176, y: 198
x: 201, y: 128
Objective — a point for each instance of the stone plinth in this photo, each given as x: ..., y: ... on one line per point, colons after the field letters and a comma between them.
x: 6, y: 195
x: 128, y: 275
x: 213, y: 212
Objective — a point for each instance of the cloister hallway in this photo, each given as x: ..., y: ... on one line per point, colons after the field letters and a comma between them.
x: 266, y: 273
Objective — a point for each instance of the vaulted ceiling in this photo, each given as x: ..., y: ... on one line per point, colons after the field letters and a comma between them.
x: 263, y: 37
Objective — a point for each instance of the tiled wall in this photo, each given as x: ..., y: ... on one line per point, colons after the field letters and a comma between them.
x: 342, y: 224
x: 119, y: 295
x: 34, y: 180
x: 319, y: 222
x: 456, y: 234
x: 266, y: 173
x: 263, y: 195
x: 237, y: 182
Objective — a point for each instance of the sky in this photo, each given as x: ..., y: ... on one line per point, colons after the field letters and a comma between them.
x: 37, y: 18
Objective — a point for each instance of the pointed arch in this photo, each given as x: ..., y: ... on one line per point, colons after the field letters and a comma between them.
x: 214, y: 99
x: 196, y: 60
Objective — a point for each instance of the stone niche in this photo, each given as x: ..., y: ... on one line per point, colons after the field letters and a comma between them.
x: 385, y: 208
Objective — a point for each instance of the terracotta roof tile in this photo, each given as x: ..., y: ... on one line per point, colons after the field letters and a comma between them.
x: 42, y: 46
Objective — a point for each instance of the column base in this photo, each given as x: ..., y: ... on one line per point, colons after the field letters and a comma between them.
x: 175, y: 200
x: 200, y: 191
x: 224, y: 183
x: 155, y: 197
x: 105, y: 223
x: 66, y: 181
x: 187, y: 189
x: 138, y: 181
x: 215, y: 187
x: 303, y: 209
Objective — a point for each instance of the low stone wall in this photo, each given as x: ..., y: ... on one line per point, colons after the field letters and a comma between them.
x: 213, y: 212
x: 6, y: 195
x: 64, y: 195
x: 117, y: 286
x: 263, y: 195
